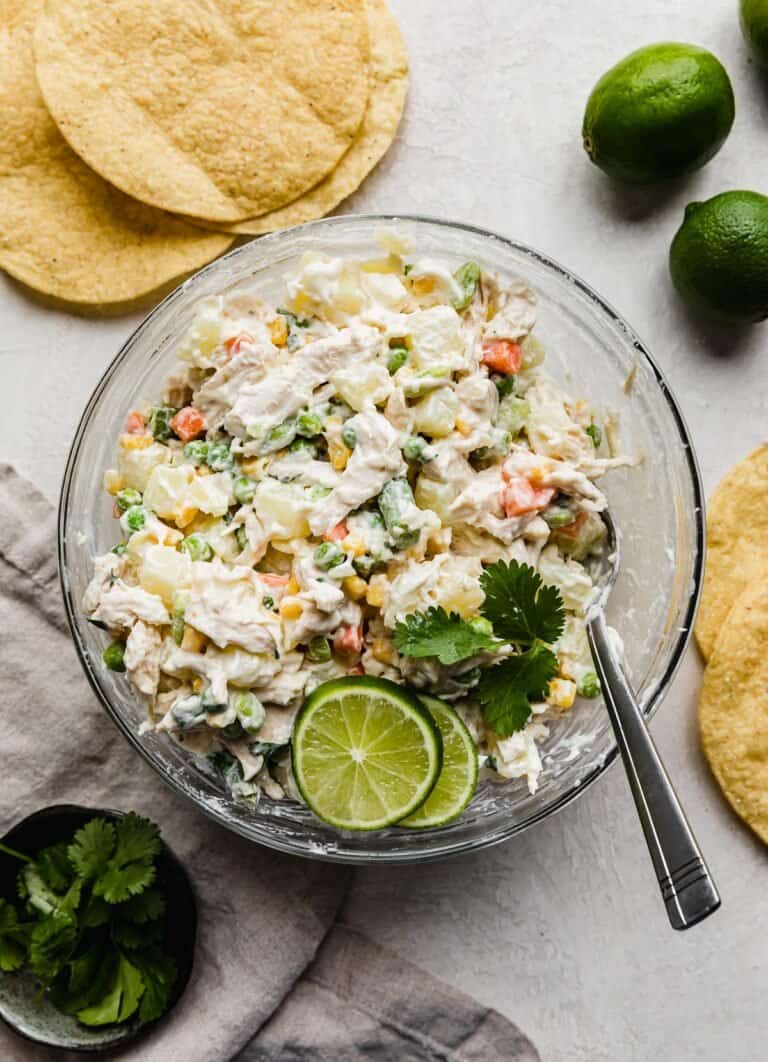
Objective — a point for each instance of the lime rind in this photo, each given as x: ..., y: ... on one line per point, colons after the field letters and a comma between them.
x: 366, y: 753
x: 457, y: 781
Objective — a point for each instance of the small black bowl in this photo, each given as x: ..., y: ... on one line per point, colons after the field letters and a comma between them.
x: 21, y: 1007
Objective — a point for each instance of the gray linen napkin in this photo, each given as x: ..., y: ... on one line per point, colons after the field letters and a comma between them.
x: 255, y: 992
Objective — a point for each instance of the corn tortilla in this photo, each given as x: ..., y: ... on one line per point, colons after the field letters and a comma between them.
x: 389, y: 86
x: 737, y: 543
x: 220, y: 109
x: 733, y: 709
x: 63, y: 230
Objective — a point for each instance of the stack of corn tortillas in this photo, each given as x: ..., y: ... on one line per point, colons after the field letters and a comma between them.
x: 140, y: 137
x: 732, y: 633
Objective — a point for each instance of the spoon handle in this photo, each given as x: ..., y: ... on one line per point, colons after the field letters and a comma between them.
x: 687, y: 888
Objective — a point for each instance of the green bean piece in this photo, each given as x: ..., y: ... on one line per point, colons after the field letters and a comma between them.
x: 308, y: 425
x: 319, y: 650
x: 219, y: 458
x: 241, y: 537
x: 505, y: 385
x: 328, y: 555
x: 135, y: 517
x: 127, y: 498
x: 197, y: 548
x: 280, y: 437
x: 250, y: 711
x: 589, y: 686
x: 349, y: 436
x: 113, y: 656
x: 244, y: 489
x: 397, y: 358
x: 177, y: 627
x: 268, y: 601
x: 395, y: 499
x: 594, y: 431
x: 197, y: 451
x: 159, y: 422
x: 467, y: 277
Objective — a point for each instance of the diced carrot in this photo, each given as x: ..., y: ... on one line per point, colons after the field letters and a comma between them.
x: 337, y: 533
x: 235, y: 344
x: 188, y: 423
x: 134, y: 423
x: 273, y: 580
x: 348, y: 639
x: 519, y: 496
x: 572, y: 530
x: 502, y: 355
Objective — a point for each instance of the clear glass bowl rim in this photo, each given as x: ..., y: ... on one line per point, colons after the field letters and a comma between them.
x: 685, y: 627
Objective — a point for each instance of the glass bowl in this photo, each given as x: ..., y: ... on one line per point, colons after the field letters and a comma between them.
x: 658, y: 507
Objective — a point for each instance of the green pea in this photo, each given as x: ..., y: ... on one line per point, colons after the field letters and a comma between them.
x: 328, y: 555
x: 590, y: 686
x: 418, y: 449
x: 196, y: 451
x: 505, y: 386
x: 303, y: 446
x: 319, y: 650
x: 308, y: 425
x: 244, y: 489
x: 135, y: 517
x: 280, y: 437
x: 219, y: 457
x: 268, y: 601
x: 467, y: 277
x: 397, y: 358
x: 364, y: 564
x: 197, y: 548
x: 596, y: 435
x: 482, y: 626
x: 558, y: 516
x: 113, y: 656
x: 250, y: 711
x: 119, y: 549
x: 127, y: 498
x: 159, y: 422
x: 349, y: 436
x: 317, y: 492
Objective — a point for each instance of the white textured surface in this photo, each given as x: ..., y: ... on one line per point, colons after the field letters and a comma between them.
x: 563, y: 929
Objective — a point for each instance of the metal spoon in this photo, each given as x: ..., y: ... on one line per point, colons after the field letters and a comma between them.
x: 687, y: 888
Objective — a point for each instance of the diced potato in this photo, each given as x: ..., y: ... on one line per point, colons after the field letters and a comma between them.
x: 136, y: 466
x: 167, y: 489
x: 363, y: 383
x: 436, y: 335
x: 204, y: 335
x: 211, y: 494
x: 435, y: 496
x: 220, y: 537
x: 164, y: 571
x: 281, y: 510
x: 562, y: 693
x: 435, y: 415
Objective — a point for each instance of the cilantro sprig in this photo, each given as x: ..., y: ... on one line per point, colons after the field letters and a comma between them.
x: 91, y: 927
x: 518, y: 610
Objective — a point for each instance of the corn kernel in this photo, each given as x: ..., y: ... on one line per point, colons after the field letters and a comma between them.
x: 562, y: 693
x: 355, y: 586
x: 197, y: 684
x: 338, y: 454
x: 391, y: 264
x: 193, y: 641
x: 113, y: 481
x: 290, y: 610
x: 135, y: 442
x: 278, y: 331
x: 185, y: 515
x: 353, y: 544
x: 252, y: 466
x: 292, y: 586
x: 377, y: 589
x: 423, y: 285
x: 383, y: 651
x: 462, y: 427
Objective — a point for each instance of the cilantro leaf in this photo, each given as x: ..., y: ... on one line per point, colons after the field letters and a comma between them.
x: 135, y: 937
x: 159, y: 973
x: 447, y: 637
x: 146, y: 907
x: 95, y: 912
x: 131, y: 868
x: 92, y: 847
x: 521, y: 609
x: 87, y: 979
x: 13, y: 938
x: 51, y: 944
x: 40, y: 898
x: 54, y: 867
x: 505, y: 690
x: 121, y: 998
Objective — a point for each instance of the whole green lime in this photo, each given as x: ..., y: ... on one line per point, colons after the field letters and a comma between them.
x: 719, y: 257
x: 663, y: 111
x: 754, y: 26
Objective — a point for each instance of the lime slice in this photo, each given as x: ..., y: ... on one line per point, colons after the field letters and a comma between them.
x: 457, y: 781
x: 366, y: 752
